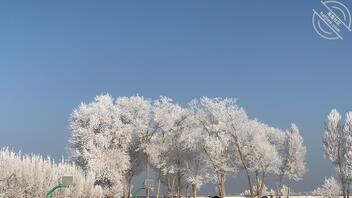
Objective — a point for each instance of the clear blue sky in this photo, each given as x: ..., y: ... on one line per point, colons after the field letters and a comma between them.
x: 53, y: 55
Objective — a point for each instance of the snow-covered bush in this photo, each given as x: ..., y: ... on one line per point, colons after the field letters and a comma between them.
x: 266, y: 191
x: 330, y: 189
x: 33, y: 176
x: 285, y: 190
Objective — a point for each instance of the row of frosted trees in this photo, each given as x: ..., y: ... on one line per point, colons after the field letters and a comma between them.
x: 205, y: 141
x: 32, y: 176
x: 209, y: 139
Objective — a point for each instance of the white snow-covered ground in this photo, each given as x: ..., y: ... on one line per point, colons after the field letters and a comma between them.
x: 293, y: 196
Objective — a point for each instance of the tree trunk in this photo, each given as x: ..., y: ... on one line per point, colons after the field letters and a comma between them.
x: 173, y: 186
x: 343, y: 185
x: 288, y: 188
x: 348, y: 189
x: 194, y: 190
x: 147, y: 189
x: 221, y: 183
x: 124, y: 188
x: 245, y: 167
x: 344, y: 189
x: 158, y: 186
x: 129, y: 186
x: 262, y: 184
x: 342, y: 178
x: 169, y: 190
x: 178, y: 185
x: 178, y: 190
x: 249, y: 183
x: 279, y: 187
x: 256, y: 183
x: 170, y: 186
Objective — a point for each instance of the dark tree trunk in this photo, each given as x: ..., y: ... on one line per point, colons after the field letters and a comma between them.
x: 279, y: 187
x: 194, y: 190
x: 178, y: 185
x: 158, y: 186
x: 288, y: 188
x: 348, y: 189
x: 129, y: 186
x: 221, y: 183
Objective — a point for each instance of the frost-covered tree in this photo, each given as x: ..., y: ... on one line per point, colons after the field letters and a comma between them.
x: 170, y: 120
x: 100, y: 142
x: 330, y: 189
x: 136, y: 116
x: 335, y: 140
x: 157, y: 152
x: 278, y: 138
x: 136, y: 161
x: 293, y: 165
x: 257, y: 154
x: 296, y: 164
x: 218, y: 118
x: 197, y: 170
x: 232, y: 142
x: 347, y: 131
x: 32, y: 176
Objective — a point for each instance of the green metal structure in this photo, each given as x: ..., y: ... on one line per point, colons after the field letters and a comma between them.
x: 135, y: 193
x: 51, y: 192
x: 349, y: 178
x: 66, y: 181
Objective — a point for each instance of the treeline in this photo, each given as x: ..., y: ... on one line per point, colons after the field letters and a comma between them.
x: 187, y: 146
x: 113, y: 140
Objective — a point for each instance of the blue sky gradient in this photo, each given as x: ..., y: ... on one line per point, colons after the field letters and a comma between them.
x: 53, y: 55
